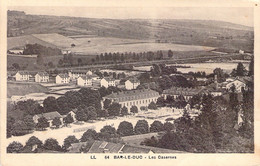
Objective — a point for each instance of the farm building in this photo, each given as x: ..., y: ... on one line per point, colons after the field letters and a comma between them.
x: 42, y: 77
x: 132, y: 83
x: 238, y: 82
x: 49, y: 116
x: 62, y: 79
x: 23, y: 76
x: 106, y: 82
x: 131, y: 98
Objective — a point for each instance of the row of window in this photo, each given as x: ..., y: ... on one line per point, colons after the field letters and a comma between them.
x: 137, y: 97
x: 145, y: 101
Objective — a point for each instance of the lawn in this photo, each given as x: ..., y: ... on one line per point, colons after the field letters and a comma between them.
x: 21, y: 89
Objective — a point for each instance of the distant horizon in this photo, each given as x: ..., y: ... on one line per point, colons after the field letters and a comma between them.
x: 240, y: 16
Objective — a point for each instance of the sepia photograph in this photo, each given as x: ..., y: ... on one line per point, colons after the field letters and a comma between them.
x: 130, y: 80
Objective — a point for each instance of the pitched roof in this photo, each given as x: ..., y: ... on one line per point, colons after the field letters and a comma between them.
x: 182, y: 91
x: 86, y: 77
x: 108, y: 79
x: 134, y: 149
x: 23, y: 73
x: 134, y: 80
x: 80, y: 71
x: 50, y: 115
x: 133, y: 95
x: 63, y: 75
x: 43, y: 73
x: 105, y: 147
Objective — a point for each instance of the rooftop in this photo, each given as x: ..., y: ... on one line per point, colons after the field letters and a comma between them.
x: 183, y: 91
x: 50, y: 115
x: 63, y: 75
x: 43, y: 73
x: 137, y: 94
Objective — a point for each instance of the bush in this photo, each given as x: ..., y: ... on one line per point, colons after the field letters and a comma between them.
x: 69, y: 140
x: 14, y: 147
x: 125, y: 129
x: 134, y: 109
x: 90, y: 134
x: 52, y: 144
x: 141, y: 127
x: 152, y: 106
x: 156, y: 126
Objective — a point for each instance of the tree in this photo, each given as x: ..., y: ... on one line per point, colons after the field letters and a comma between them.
x: 107, y: 132
x: 125, y: 129
x: 170, y: 54
x: 152, y: 106
x: 160, y: 102
x: 9, y: 126
x: 79, y: 61
x: 20, y: 128
x: 107, y: 103
x: 240, y: 69
x: 90, y: 134
x: 114, y: 109
x: 68, y: 119
x: 39, y: 59
x: 81, y: 115
x: 124, y: 111
x: 156, y: 70
x: 32, y: 141
x: 156, y: 126
x: 28, y: 120
x: 14, y: 147
x: 251, y: 67
x: 168, y: 126
x: 69, y: 140
x: 52, y: 144
x: 91, y: 113
x: 50, y: 104
x: 42, y: 123
x: 141, y: 127
x: 134, y: 109
x: 56, y: 122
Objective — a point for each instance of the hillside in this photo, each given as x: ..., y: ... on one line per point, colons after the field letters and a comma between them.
x: 191, y: 32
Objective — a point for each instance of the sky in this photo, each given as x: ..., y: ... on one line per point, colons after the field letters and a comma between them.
x: 238, y: 15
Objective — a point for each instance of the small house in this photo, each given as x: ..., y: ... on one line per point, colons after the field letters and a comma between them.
x: 22, y: 76
x: 42, y: 77
x: 62, y: 79
x: 49, y: 116
x: 106, y: 82
x: 132, y: 83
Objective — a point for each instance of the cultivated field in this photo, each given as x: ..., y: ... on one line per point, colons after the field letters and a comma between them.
x: 90, y: 46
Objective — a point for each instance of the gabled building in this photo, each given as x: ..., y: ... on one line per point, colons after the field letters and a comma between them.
x: 132, y: 83
x: 62, y: 79
x: 238, y: 83
x: 107, y: 81
x: 42, y: 77
x: 75, y: 74
x: 23, y: 76
x: 49, y: 116
x: 87, y: 80
x: 131, y: 98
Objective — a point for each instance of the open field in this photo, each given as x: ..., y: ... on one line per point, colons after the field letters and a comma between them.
x: 101, y: 45
x: 21, y: 89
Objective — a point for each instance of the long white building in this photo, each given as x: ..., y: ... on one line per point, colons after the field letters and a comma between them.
x: 131, y: 98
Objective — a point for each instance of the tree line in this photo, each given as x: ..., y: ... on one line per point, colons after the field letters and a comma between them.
x: 107, y: 133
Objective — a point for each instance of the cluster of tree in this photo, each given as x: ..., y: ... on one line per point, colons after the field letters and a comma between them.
x: 162, y: 69
x: 213, y: 130
x: 68, y: 60
x: 240, y: 70
x: 37, y: 49
x: 170, y: 101
x: 130, y: 56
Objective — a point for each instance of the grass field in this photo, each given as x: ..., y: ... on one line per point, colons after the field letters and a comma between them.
x: 21, y: 89
x: 90, y: 46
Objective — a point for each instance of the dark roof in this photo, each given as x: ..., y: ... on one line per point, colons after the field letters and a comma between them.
x: 134, y: 80
x: 137, y: 139
x: 63, y: 75
x: 43, y: 73
x: 24, y: 73
x: 109, y: 79
x: 80, y: 71
x: 105, y: 147
x: 50, y: 115
x: 182, y: 91
x: 86, y: 77
x: 133, y: 95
